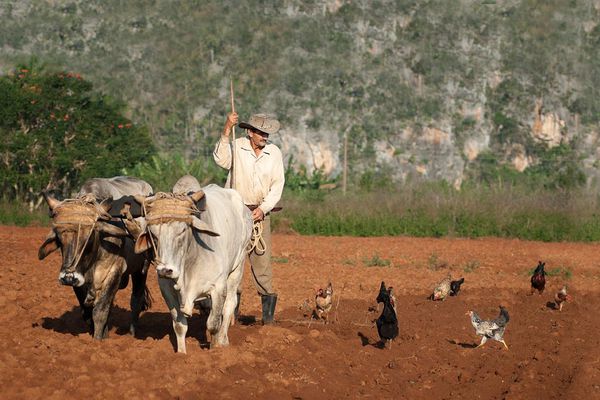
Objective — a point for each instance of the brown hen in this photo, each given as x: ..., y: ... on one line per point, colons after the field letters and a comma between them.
x: 323, y: 301
x: 442, y: 289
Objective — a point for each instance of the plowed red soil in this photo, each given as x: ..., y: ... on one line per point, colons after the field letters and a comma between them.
x: 45, y: 351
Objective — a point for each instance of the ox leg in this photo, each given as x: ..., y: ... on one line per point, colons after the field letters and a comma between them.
x: 231, y: 301
x: 103, y: 304
x: 180, y: 325
x: 140, y: 299
x: 214, y: 323
x: 86, y: 311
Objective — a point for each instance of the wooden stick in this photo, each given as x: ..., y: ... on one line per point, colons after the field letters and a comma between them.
x: 232, y: 183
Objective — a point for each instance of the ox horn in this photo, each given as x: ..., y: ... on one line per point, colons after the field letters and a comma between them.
x: 105, y: 206
x: 52, y: 202
x: 196, y: 196
x: 110, y: 229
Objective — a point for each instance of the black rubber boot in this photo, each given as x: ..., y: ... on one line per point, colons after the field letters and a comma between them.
x: 268, y: 308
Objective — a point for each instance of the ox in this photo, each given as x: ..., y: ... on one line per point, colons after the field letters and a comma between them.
x: 97, y: 252
x: 199, y: 236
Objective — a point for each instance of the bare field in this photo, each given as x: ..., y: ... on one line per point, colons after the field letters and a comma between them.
x: 46, y: 352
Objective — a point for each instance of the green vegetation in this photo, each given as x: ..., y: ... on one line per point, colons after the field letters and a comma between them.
x: 434, y: 210
x: 12, y: 213
x: 376, y: 261
x: 163, y: 171
x: 55, y: 132
x: 382, y: 65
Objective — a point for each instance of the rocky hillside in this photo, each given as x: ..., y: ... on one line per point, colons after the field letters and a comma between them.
x: 432, y: 89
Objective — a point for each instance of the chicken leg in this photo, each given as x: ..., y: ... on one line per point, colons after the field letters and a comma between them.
x: 504, y: 343
x: 483, y: 340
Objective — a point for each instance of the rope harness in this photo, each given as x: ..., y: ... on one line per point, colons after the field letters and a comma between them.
x: 163, y: 208
x: 83, y: 211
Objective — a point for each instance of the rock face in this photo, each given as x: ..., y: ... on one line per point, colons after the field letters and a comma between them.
x: 418, y: 88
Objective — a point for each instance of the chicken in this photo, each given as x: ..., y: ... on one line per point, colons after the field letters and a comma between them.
x: 538, y: 279
x: 323, y: 301
x: 455, y: 286
x: 560, y: 297
x: 491, y: 329
x: 387, y: 323
x: 442, y: 289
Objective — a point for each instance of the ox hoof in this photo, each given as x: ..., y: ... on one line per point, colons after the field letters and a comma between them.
x: 219, y: 344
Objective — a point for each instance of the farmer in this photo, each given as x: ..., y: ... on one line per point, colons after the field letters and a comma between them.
x: 258, y: 175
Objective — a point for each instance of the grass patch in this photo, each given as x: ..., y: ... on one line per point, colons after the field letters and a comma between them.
x: 349, y: 262
x: 434, y: 262
x: 280, y: 260
x: 376, y: 261
x: 471, y: 266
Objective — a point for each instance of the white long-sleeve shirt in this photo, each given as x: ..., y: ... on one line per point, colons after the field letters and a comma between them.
x: 259, y: 179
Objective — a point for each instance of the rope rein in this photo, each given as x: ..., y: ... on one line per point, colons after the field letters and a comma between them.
x: 257, y: 242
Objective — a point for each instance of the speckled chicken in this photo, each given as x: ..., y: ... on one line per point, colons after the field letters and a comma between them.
x: 490, y: 329
x: 323, y: 301
x: 455, y: 286
x: 442, y: 289
x: 560, y: 297
x: 538, y: 279
x: 387, y: 323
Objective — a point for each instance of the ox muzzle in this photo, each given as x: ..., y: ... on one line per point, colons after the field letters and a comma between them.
x: 71, y: 279
x: 166, y: 271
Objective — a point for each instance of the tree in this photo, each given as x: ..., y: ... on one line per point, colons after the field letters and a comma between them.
x: 55, y: 133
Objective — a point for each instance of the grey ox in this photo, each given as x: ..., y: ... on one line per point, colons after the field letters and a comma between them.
x: 97, y: 251
x: 199, y: 236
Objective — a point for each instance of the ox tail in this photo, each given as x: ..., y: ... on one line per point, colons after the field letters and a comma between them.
x: 147, y: 300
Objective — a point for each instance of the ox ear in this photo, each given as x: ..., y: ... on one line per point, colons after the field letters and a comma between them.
x: 142, y: 243
x: 50, y: 245
x: 110, y: 229
x: 202, y: 226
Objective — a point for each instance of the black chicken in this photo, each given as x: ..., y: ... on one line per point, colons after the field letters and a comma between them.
x: 387, y: 323
x: 455, y: 286
x: 538, y: 280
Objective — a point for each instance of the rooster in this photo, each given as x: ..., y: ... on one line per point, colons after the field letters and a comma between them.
x: 442, y: 289
x: 387, y: 323
x: 455, y: 286
x: 538, y: 279
x: 491, y: 329
x: 323, y: 301
x: 560, y: 297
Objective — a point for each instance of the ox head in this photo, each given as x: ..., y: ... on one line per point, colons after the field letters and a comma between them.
x: 76, y: 224
x: 171, y: 220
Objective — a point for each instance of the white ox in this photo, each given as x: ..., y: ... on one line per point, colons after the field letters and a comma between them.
x: 199, y: 237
